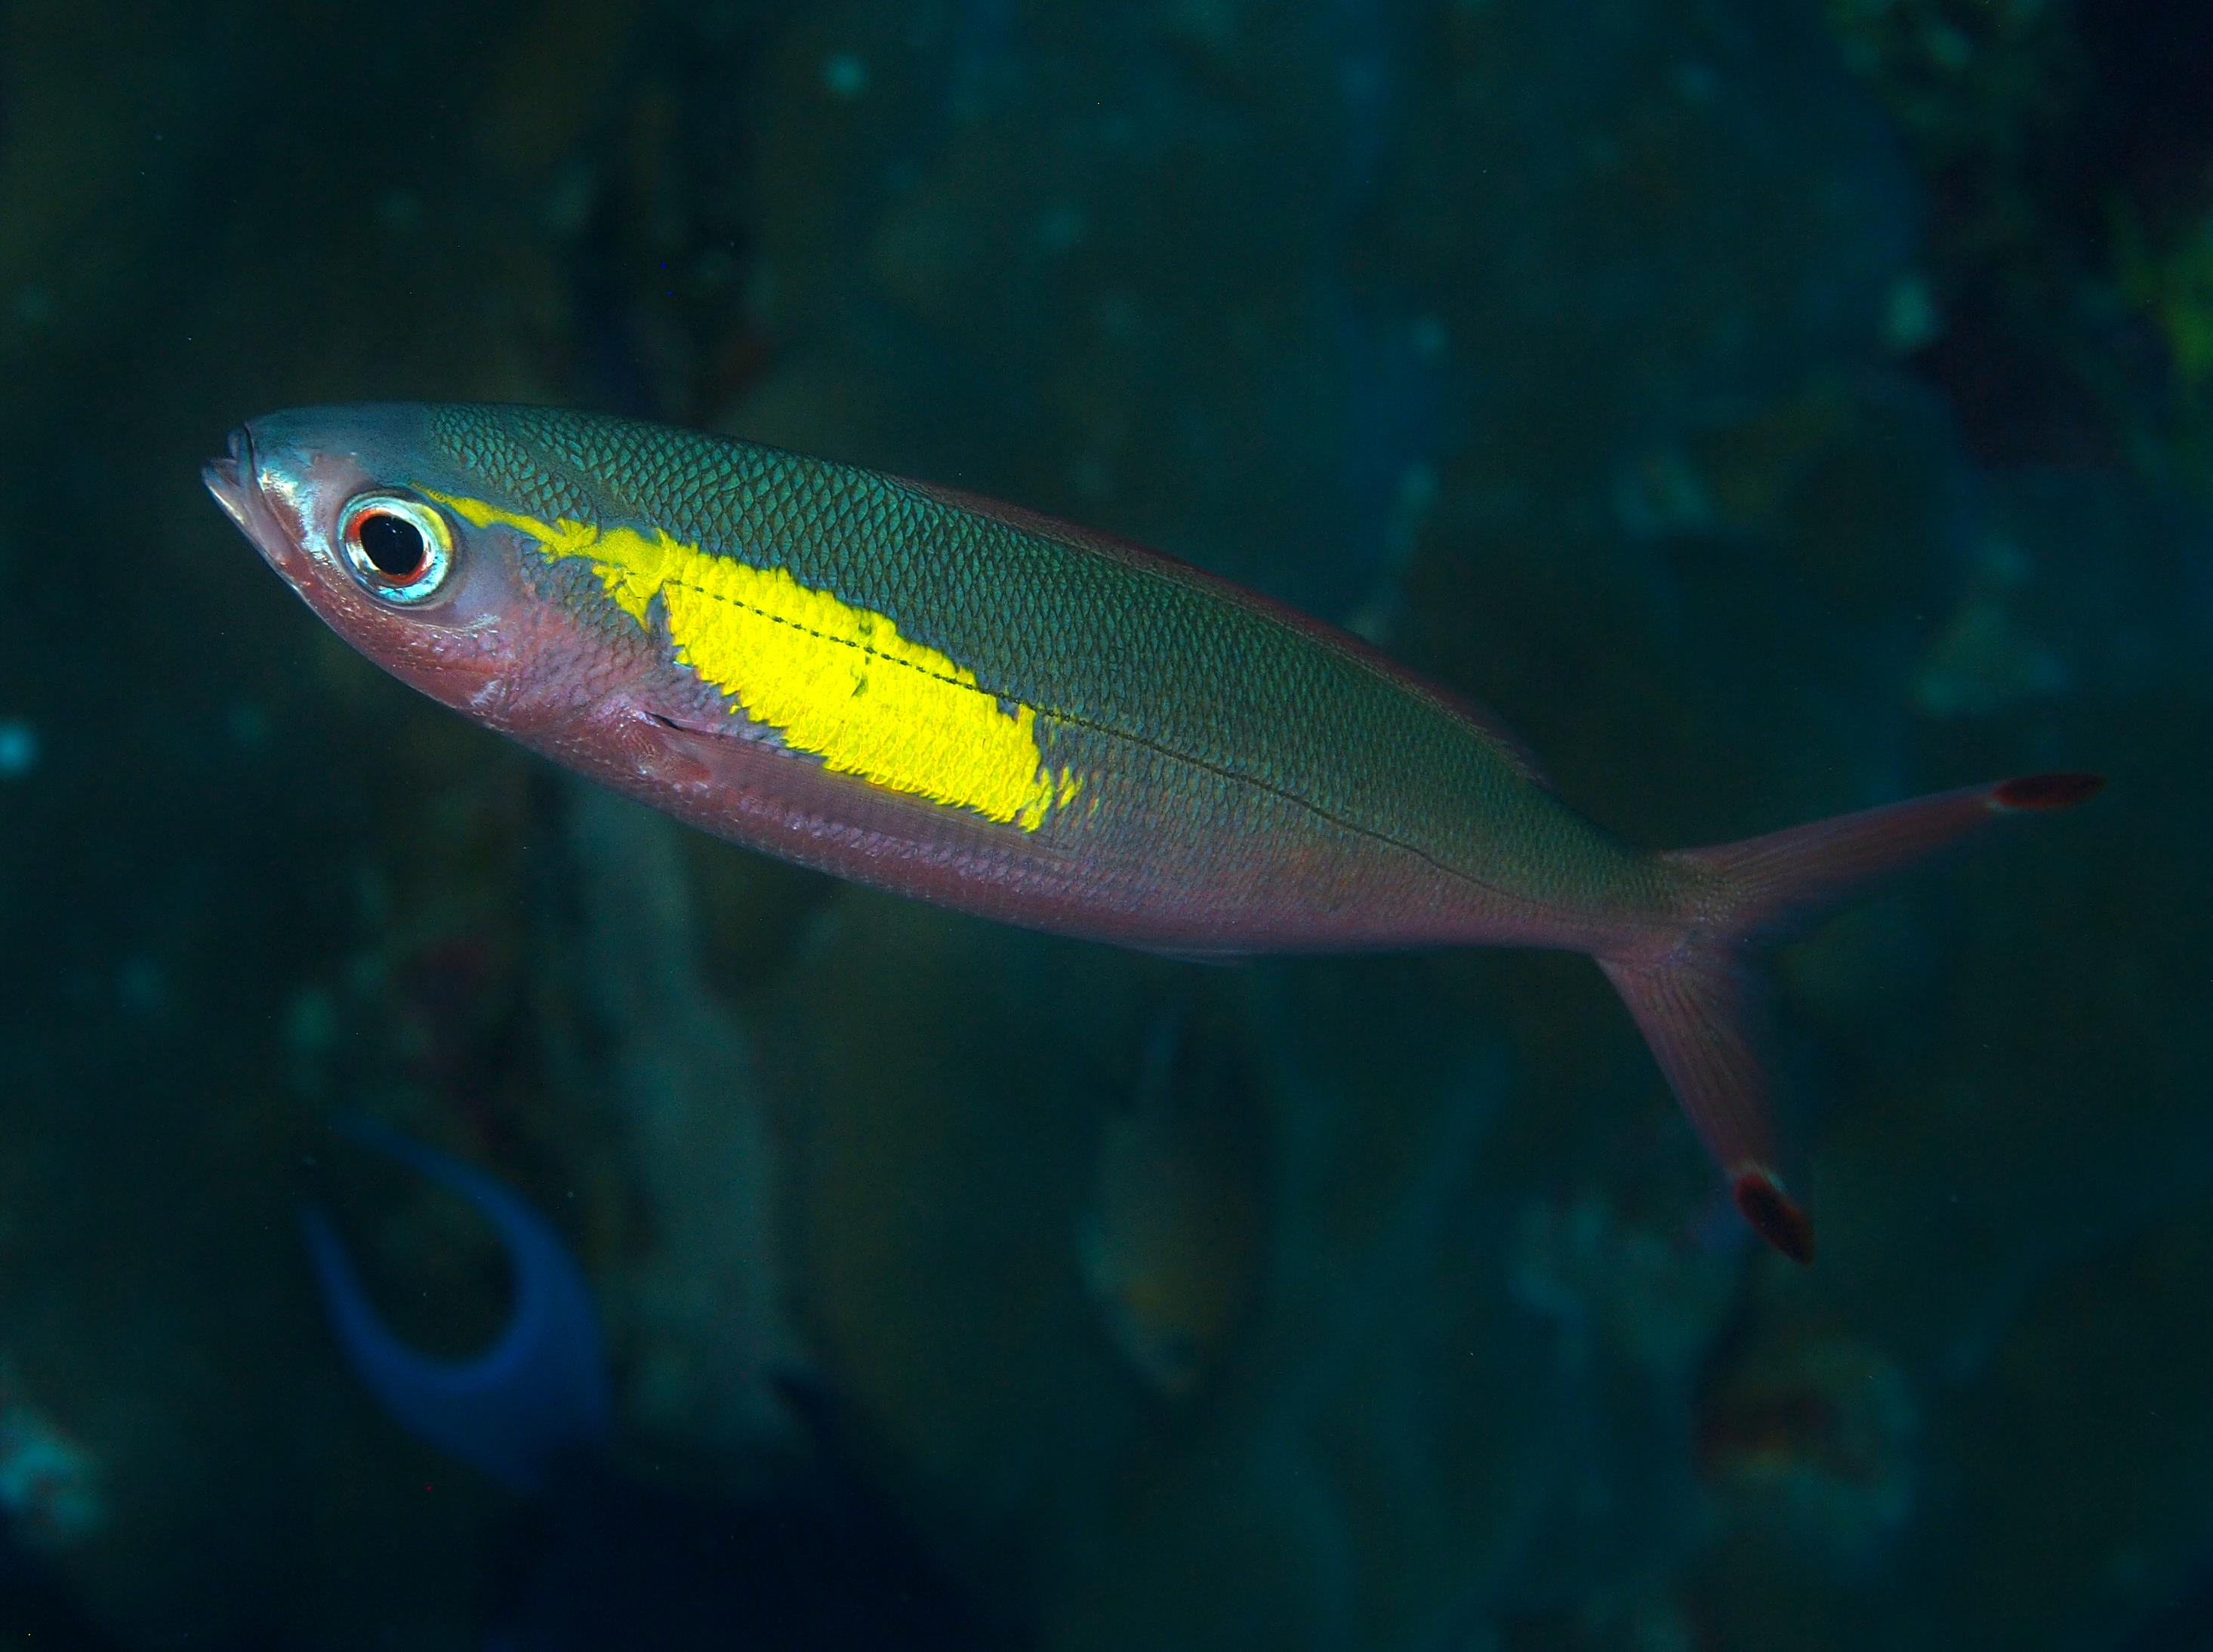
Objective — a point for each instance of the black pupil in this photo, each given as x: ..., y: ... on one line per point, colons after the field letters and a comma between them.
x: 393, y: 543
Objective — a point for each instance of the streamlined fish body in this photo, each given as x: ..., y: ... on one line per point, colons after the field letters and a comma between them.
x: 975, y: 705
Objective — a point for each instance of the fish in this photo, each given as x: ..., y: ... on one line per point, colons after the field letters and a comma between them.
x: 1169, y: 1242
x: 975, y: 704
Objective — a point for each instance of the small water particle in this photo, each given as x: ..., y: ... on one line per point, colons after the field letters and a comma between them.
x: 34, y: 307
x: 19, y: 748
x: 844, y: 76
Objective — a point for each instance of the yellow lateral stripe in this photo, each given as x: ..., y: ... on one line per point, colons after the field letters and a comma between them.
x: 835, y: 680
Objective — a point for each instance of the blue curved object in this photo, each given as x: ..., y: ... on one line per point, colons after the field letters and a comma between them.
x: 538, y: 1393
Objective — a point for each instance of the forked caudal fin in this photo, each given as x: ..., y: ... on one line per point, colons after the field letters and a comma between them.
x: 1697, y: 1001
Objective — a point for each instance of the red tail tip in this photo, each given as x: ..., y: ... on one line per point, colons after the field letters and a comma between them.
x: 1773, y: 1214
x: 2047, y: 791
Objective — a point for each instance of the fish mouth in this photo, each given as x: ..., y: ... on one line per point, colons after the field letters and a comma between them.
x: 236, y: 481
x: 230, y: 477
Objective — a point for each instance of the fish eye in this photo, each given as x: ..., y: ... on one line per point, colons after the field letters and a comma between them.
x: 399, y: 548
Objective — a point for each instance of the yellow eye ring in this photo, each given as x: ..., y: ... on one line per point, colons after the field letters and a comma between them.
x: 399, y: 549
